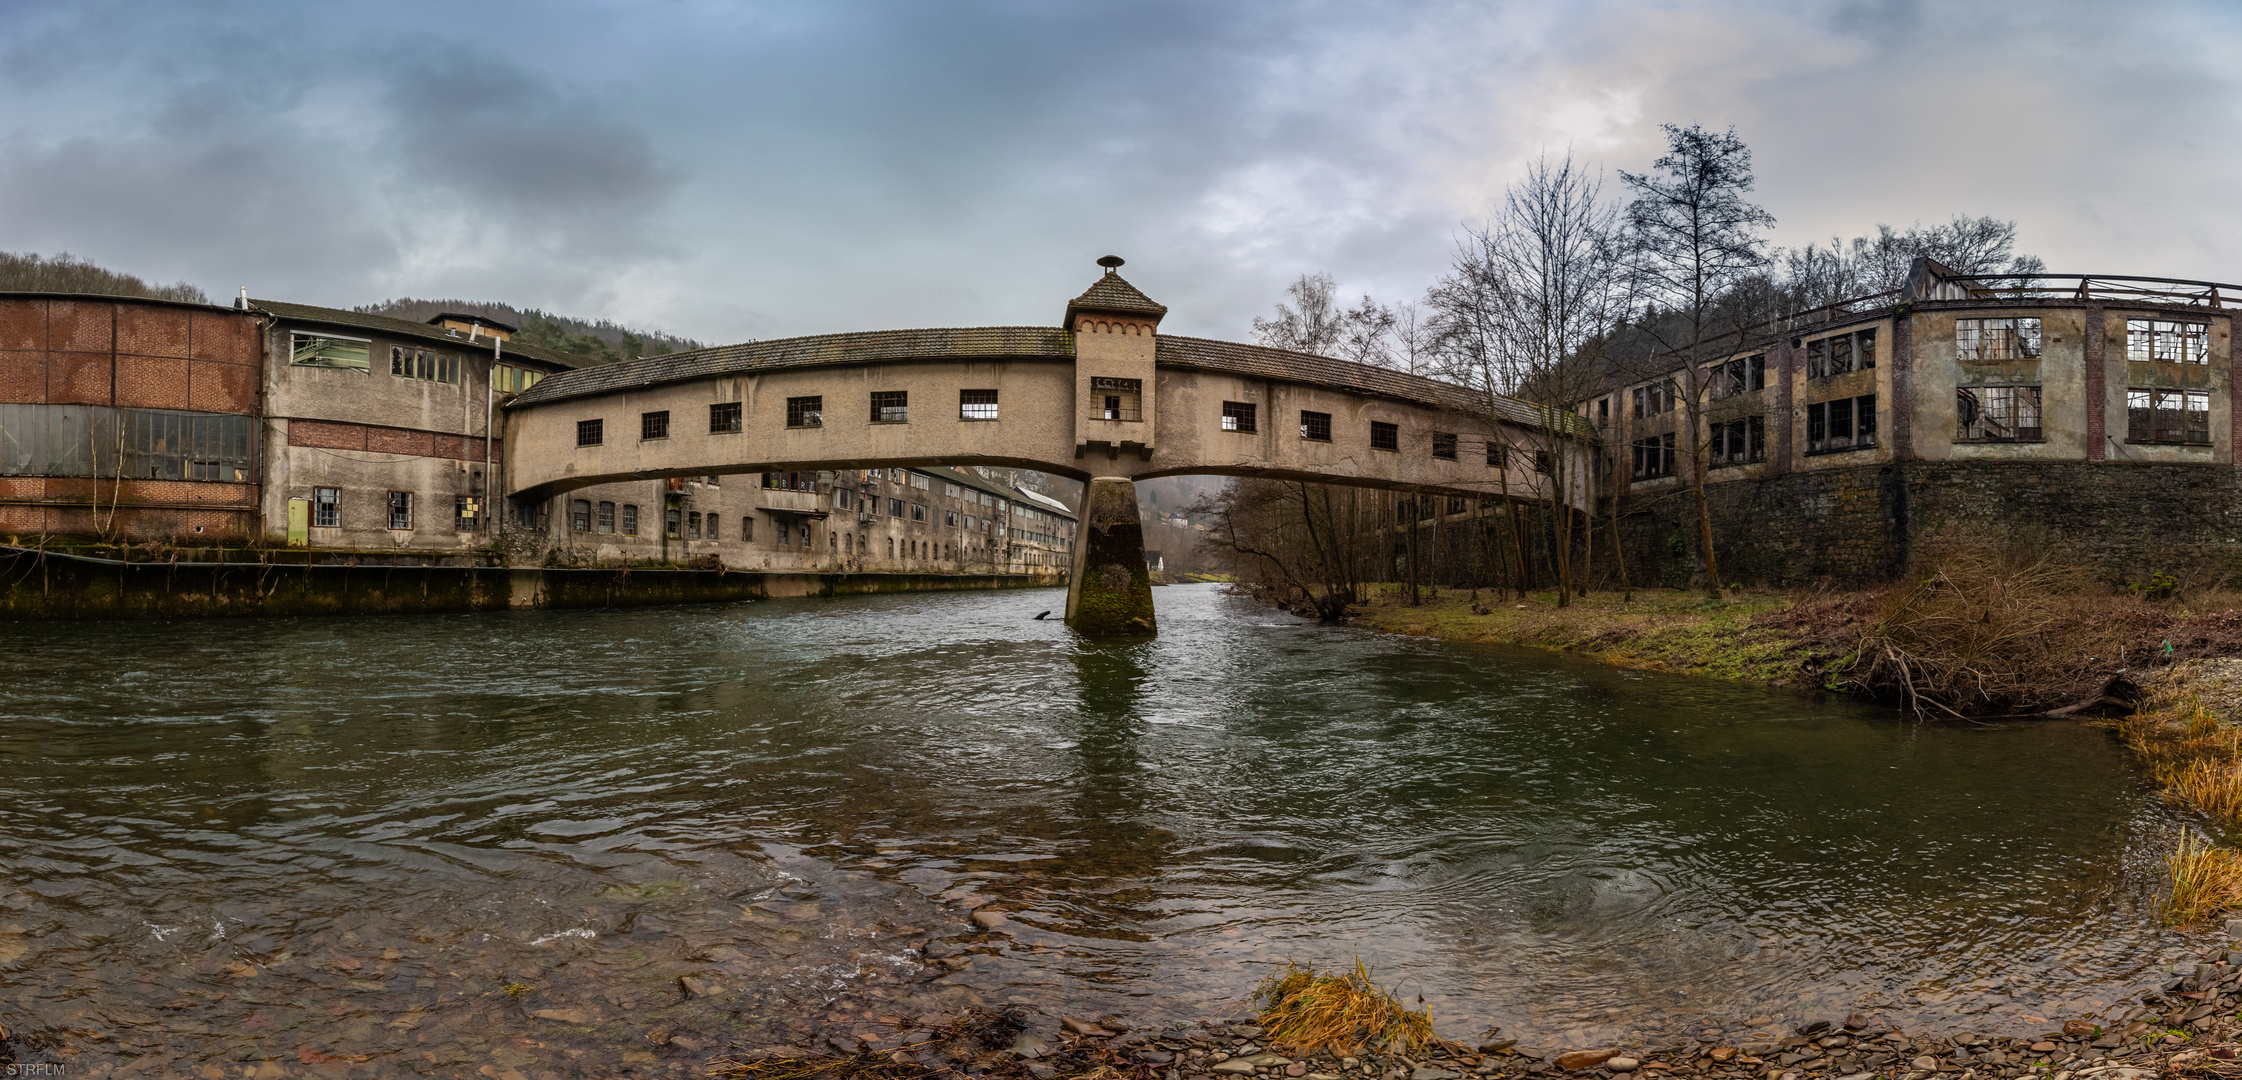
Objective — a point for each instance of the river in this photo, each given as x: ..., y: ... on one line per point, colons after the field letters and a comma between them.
x: 382, y: 846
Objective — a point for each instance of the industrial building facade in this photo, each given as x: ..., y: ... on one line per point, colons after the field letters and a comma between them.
x: 367, y: 437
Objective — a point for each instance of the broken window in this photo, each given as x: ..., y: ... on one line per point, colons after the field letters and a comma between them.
x: 2168, y: 416
x: 653, y: 425
x: 1237, y: 416
x: 326, y: 507
x: 976, y: 404
x: 606, y: 522
x: 1654, y: 456
x: 590, y: 432
x: 673, y: 521
x: 1543, y: 463
x: 1444, y: 445
x: 1844, y: 424
x: 891, y: 406
x: 693, y: 525
x: 400, y: 509
x: 329, y: 351
x: 424, y: 364
x: 713, y: 530
x: 724, y: 417
x: 1498, y: 455
x: 1655, y: 399
x: 1117, y: 399
x: 630, y: 519
x: 1979, y: 340
x: 1315, y: 426
x: 895, y: 508
x: 1739, y: 376
x: 805, y: 412
x: 467, y: 513
x: 1841, y: 354
x: 1997, y: 414
x: 1384, y: 436
x: 950, y: 518
x: 2167, y: 342
x: 918, y: 511
x: 1739, y: 441
x: 1603, y: 412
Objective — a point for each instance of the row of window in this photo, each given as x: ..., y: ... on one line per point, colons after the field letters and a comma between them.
x: 1841, y: 354
x: 1844, y: 424
x: 428, y: 365
x: 327, y: 510
x: 139, y: 444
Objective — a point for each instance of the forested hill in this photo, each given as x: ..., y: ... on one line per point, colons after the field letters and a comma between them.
x: 67, y: 273
x: 600, y: 342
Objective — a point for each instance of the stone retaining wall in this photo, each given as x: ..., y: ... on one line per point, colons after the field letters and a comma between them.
x: 51, y: 585
x: 1861, y: 526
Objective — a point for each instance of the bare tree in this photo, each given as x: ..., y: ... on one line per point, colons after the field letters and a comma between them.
x: 1532, y: 294
x: 1316, y: 322
x: 1816, y: 275
x: 1694, y: 239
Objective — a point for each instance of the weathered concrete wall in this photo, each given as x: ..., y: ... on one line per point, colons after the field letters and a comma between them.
x: 1860, y: 526
x: 48, y: 585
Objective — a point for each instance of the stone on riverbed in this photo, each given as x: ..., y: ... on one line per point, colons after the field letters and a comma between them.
x: 1234, y: 1065
x: 1427, y: 1072
x: 988, y: 918
x: 1585, y: 1059
x: 1622, y: 1064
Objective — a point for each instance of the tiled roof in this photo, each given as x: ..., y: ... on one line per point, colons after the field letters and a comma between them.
x: 1283, y: 365
x: 400, y: 328
x: 1112, y: 294
x: 973, y: 342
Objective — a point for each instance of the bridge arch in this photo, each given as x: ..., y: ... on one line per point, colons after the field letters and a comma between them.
x: 1105, y: 399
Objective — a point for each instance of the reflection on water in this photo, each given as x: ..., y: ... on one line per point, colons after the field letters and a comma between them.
x: 434, y: 844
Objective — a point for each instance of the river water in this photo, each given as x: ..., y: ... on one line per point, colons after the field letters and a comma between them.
x: 433, y: 844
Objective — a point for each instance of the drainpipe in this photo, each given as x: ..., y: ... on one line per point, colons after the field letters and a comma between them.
x: 490, y: 414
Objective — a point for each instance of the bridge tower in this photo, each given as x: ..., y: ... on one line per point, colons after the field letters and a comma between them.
x: 1109, y: 594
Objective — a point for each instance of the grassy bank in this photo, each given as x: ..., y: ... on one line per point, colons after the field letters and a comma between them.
x: 1770, y: 638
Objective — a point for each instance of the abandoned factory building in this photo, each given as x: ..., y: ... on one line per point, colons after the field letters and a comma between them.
x: 2088, y: 415
x: 360, y: 435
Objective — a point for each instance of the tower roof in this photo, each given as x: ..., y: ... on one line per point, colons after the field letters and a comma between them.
x: 1111, y: 295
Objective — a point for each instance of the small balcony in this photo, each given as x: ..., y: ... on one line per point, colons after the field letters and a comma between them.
x: 791, y: 502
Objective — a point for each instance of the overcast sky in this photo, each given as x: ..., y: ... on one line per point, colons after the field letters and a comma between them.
x: 736, y: 170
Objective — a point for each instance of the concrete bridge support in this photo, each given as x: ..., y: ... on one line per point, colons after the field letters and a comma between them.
x: 1110, y: 592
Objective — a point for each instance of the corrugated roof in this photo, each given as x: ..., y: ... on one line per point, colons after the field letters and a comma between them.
x: 972, y: 342
x: 1111, y: 293
x: 383, y: 324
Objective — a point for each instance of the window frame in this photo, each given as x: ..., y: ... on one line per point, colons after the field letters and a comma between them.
x: 1315, y: 426
x: 894, y: 409
x: 1385, y: 436
x: 296, y: 352
x: 628, y: 526
x: 970, y: 401
x: 591, y: 432
x: 2180, y: 431
x: 1444, y: 445
x: 2144, y: 338
x: 326, y: 508
x: 1238, y: 416
x: 1999, y: 339
x: 725, y: 418
x: 400, y: 509
x: 1972, y: 410
x: 653, y: 426
x: 805, y: 412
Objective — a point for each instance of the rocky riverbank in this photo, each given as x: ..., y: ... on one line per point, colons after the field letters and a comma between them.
x: 2188, y: 1029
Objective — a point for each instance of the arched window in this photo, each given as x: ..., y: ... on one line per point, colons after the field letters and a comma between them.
x: 580, y: 515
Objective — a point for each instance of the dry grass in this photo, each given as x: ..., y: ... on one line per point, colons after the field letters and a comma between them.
x: 2204, y: 880
x: 1345, y: 1013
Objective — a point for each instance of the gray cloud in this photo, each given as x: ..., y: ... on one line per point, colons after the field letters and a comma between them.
x: 775, y: 168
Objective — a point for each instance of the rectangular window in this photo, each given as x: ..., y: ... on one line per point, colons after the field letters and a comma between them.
x: 1654, y: 456
x: 1315, y: 426
x: 1542, y: 462
x: 1603, y: 412
x: 328, y: 351
x: 467, y: 513
x: 400, y: 509
x: 976, y: 404
x: 2166, y: 342
x: 950, y: 518
x: 1758, y: 372
x: 2168, y: 416
x: 724, y: 418
x: 1839, y: 355
x: 423, y: 364
x: 1237, y: 416
x: 1116, y: 398
x: 326, y: 508
x: 713, y: 530
x: 1498, y: 455
x: 1444, y: 445
x: 630, y: 519
x: 918, y: 511
x: 747, y: 528
x: 1739, y: 376
x: 673, y: 521
x: 606, y: 522
x: 1739, y: 441
x: 1385, y: 436
x: 1844, y: 424
x: 1997, y: 413
x: 895, y: 508
x: 891, y: 406
x: 590, y: 432
x: 693, y: 525
x: 508, y: 379
x: 922, y: 482
x: 580, y: 515
x: 653, y: 425
x: 805, y: 412
x: 1982, y: 340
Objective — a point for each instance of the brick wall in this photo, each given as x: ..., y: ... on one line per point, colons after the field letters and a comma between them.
x: 1865, y: 525
x: 332, y: 435
x: 127, y: 353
